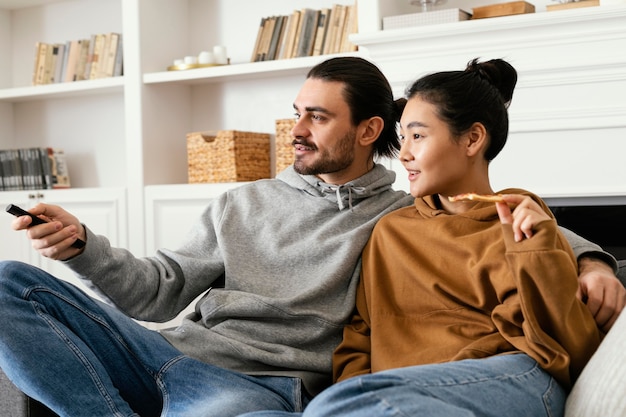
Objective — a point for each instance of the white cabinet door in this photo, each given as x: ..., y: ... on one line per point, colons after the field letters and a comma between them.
x: 103, y: 210
x: 14, y: 245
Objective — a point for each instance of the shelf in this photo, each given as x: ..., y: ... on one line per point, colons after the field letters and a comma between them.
x: 525, y: 25
x: 234, y: 72
x: 62, y: 90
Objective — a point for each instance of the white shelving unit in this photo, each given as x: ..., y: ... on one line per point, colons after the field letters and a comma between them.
x: 128, y: 133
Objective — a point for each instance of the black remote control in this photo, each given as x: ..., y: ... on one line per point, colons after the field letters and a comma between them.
x: 18, y: 211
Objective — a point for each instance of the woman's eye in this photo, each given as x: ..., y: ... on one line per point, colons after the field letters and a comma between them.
x: 417, y: 136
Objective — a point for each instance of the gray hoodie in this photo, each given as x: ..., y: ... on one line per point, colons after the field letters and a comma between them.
x: 279, y: 261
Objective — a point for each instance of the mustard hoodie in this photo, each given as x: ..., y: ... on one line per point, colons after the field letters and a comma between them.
x: 439, y: 287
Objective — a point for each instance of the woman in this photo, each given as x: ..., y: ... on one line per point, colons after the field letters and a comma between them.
x: 464, y: 308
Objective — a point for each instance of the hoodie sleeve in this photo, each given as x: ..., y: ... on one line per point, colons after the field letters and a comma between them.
x: 559, y: 331
x: 583, y: 247
x: 155, y: 288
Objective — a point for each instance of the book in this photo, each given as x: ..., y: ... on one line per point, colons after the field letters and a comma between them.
x: 282, y: 36
x: 107, y: 66
x: 340, y: 24
x: 92, y: 44
x: 36, y: 68
x: 257, y: 42
x: 296, y: 40
x: 322, y: 30
x: 275, y: 38
x: 96, y: 57
x: 290, y: 36
x: 15, y: 170
x: 58, y: 66
x: 42, y: 51
x: 58, y: 167
x: 103, y: 55
x: 4, y: 174
x: 72, y: 60
x: 118, y: 67
x: 307, y: 32
x: 66, y: 53
x: 349, y: 27
x: 51, y: 63
x: 336, y: 14
x: 266, y: 36
x: 44, y: 168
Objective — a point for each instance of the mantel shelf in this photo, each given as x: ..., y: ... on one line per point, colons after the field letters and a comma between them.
x: 526, y: 25
x: 265, y: 69
x: 62, y: 90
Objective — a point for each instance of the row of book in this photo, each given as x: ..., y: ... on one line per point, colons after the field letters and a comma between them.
x: 33, y: 169
x: 100, y: 56
x: 306, y: 32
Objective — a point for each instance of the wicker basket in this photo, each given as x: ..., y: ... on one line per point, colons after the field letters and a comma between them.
x: 228, y: 156
x: 284, y: 147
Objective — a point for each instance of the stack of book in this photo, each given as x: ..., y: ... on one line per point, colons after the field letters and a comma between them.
x: 306, y: 32
x: 33, y: 169
x: 100, y: 56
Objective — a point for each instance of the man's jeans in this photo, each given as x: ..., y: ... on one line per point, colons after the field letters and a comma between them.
x: 507, y: 385
x: 82, y: 357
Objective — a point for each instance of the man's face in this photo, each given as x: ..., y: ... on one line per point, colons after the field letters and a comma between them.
x: 324, y: 138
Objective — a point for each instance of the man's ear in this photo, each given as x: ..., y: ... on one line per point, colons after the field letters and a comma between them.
x: 369, y: 130
x: 477, y: 139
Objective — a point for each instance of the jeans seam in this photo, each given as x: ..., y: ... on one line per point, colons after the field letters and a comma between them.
x: 159, y: 381
x: 81, y: 357
x: 476, y: 381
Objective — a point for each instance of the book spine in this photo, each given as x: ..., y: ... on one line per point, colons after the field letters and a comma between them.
x: 118, y: 68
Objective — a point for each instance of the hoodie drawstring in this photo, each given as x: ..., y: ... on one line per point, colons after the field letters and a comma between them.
x: 327, y: 188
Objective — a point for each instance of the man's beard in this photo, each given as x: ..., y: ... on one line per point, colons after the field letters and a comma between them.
x: 329, y: 160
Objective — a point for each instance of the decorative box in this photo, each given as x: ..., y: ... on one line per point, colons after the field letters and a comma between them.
x: 228, y: 156
x: 284, y: 148
x: 425, y: 18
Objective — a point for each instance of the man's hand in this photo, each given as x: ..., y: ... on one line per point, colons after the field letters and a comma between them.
x: 53, y: 239
x: 600, y: 289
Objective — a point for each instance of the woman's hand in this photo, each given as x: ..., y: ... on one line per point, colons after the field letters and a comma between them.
x: 525, y: 214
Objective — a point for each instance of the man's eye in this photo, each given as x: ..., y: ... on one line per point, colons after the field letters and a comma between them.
x: 296, y: 116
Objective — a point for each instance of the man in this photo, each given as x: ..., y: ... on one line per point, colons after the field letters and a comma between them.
x: 283, y: 256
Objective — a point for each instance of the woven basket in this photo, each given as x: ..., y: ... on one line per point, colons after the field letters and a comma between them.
x: 284, y: 147
x: 228, y: 156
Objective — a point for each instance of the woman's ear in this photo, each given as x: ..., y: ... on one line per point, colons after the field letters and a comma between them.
x: 369, y: 130
x: 477, y: 139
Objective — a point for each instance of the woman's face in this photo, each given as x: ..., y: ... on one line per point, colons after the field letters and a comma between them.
x: 436, y: 161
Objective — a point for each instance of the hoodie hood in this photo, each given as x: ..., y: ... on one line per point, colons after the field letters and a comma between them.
x: 481, y: 211
x: 376, y: 181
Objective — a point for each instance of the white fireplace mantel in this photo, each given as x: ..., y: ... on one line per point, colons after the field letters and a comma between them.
x: 568, y: 116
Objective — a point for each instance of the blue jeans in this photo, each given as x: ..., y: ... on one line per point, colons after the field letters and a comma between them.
x: 508, y: 385
x: 82, y: 357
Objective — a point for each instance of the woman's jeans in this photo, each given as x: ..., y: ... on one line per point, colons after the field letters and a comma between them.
x: 82, y: 357
x: 508, y: 385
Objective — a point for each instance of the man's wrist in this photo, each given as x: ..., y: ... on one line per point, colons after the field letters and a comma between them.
x: 595, y: 260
